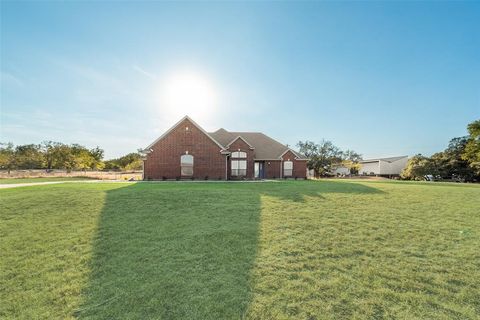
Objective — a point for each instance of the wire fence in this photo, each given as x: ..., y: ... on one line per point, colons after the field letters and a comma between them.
x: 94, y: 174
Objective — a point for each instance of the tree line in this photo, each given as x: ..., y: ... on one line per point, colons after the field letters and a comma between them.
x: 461, y: 159
x: 51, y: 155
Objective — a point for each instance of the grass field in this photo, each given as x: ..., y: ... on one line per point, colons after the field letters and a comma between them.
x: 276, y: 250
x: 49, y: 179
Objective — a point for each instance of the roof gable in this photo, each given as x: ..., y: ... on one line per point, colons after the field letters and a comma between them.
x: 147, y: 149
x: 241, y: 138
x: 296, y: 155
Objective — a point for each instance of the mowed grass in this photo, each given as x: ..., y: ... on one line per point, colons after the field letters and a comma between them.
x: 40, y: 179
x: 276, y: 250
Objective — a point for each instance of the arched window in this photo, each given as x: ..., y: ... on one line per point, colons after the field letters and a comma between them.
x: 239, y: 154
x: 186, y: 164
x: 287, y: 168
x: 239, y: 163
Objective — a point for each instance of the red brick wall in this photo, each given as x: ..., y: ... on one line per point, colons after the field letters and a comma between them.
x: 164, y: 160
x: 300, y: 169
x: 299, y: 166
x: 272, y: 169
x: 240, y: 145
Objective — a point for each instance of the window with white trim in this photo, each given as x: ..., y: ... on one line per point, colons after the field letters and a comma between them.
x: 186, y: 164
x: 239, y: 154
x: 239, y: 163
x: 287, y: 168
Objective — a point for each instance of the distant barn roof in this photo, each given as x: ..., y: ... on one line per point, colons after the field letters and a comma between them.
x: 389, y: 159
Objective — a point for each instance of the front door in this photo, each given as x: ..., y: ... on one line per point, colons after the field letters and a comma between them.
x: 259, y: 170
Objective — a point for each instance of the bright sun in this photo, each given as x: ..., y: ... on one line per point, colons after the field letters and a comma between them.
x: 187, y: 93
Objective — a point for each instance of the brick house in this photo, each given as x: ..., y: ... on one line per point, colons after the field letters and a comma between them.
x: 186, y: 151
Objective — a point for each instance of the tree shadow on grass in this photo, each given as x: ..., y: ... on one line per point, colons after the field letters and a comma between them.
x: 174, y: 251
x: 181, y: 250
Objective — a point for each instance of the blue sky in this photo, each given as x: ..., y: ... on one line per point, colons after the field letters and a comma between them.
x: 381, y: 78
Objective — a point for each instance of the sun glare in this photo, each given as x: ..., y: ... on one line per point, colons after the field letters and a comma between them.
x: 187, y: 93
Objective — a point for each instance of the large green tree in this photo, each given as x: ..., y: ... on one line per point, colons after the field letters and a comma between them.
x: 471, y: 151
x: 7, y: 156
x: 351, y: 161
x: 131, y: 161
x: 450, y: 163
x: 58, y: 155
x: 325, y: 156
x: 461, y: 159
x: 29, y: 156
x: 418, y: 167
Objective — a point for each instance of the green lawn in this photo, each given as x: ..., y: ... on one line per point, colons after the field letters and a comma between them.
x: 276, y: 250
x: 40, y: 179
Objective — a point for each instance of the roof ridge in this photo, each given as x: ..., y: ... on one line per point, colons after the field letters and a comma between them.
x: 384, y: 158
x: 246, y: 132
x: 266, y: 147
x: 219, y: 129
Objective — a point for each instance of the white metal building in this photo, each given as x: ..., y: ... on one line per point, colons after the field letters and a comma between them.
x: 383, y: 166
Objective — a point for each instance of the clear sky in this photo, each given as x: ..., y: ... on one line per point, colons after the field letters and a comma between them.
x: 381, y: 78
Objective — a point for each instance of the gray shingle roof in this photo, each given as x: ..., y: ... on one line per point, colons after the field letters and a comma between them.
x: 265, y: 147
x: 390, y: 159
